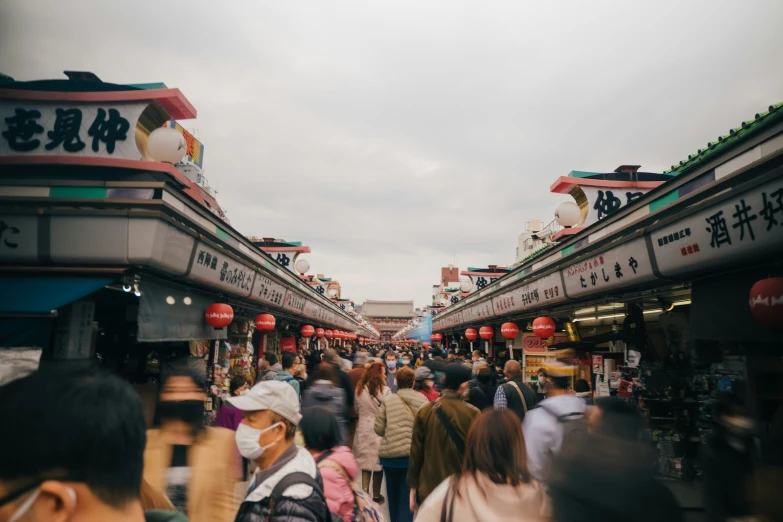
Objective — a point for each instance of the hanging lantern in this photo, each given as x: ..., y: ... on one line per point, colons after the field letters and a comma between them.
x: 436, y: 337
x: 543, y: 327
x: 308, y: 331
x: 319, y: 332
x: 509, y: 330
x: 426, y: 345
x: 328, y: 334
x: 486, y: 333
x: 766, y: 302
x: 219, y: 315
x: 265, y: 322
x: 471, y: 334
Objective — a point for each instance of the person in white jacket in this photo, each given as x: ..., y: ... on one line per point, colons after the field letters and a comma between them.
x: 556, y: 418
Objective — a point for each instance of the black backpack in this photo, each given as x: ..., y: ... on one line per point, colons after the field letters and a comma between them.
x: 574, y: 425
x: 300, y: 478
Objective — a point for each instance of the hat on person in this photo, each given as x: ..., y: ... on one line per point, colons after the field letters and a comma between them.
x: 361, y: 359
x: 423, y: 374
x: 277, y: 396
x: 456, y: 374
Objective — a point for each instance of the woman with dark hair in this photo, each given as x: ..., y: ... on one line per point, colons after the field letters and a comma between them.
x: 325, y: 392
x: 321, y: 434
x: 582, y: 390
x: 193, y: 464
x: 370, y: 393
x: 494, y: 483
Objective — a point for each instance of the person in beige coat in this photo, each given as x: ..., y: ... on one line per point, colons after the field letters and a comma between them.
x: 495, y: 483
x: 370, y: 393
x: 394, y: 423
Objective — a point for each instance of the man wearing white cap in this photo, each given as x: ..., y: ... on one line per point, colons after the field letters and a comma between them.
x: 287, y: 485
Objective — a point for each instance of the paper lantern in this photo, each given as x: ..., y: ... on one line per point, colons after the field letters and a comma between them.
x: 265, y: 322
x: 319, y: 332
x: 486, y: 333
x: 308, y: 331
x: 166, y: 144
x: 543, y: 327
x: 328, y: 334
x: 766, y: 302
x: 568, y: 214
x: 436, y: 337
x: 471, y: 334
x: 509, y: 330
x: 219, y: 315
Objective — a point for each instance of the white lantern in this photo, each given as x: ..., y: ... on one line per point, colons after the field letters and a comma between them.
x: 466, y: 285
x: 568, y: 214
x: 166, y: 144
x: 301, y: 266
x: 332, y: 292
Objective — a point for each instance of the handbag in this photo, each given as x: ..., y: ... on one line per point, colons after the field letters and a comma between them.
x: 406, y: 405
x: 458, y: 442
x: 521, y: 395
x: 364, y: 508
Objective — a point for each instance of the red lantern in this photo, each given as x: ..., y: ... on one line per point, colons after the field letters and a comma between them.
x: 543, y: 327
x: 338, y: 334
x: 319, y: 332
x: 509, y: 330
x: 219, y: 315
x: 265, y: 322
x: 766, y: 302
x: 436, y: 337
x: 328, y: 334
x: 426, y: 345
x: 486, y: 333
x: 471, y: 334
x: 308, y: 331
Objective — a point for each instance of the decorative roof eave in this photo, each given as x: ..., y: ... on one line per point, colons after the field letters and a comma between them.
x: 564, y: 184
x: 282, y: 249
x: 485, y: 273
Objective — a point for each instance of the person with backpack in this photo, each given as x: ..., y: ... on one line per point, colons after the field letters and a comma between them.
x: 514, y: 394
x: 394, y: 423
x: 555, y: 419
x: 287, y: 484
x: 326, y: 393
x: 439, y: 433
x: 482, y: 389
x: 288, y: 361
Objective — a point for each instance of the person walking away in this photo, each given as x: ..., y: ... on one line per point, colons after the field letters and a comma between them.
x: 287, y: 484
x: 494, y: 483
x: 394, y: 423
x: 480, y: 387
x: 75, y: 453
x: 229, y: 417
x: 439, y: 433
x: 343, y: 380
x: 557, y: 417
x: 582, y: 389
x: 321, y: 432
x: 425, y: 384
x: 437, y: 366
x: 391, y: 370
x: 370, y: 393
x: 269, y: 367
x: 360, y: 361
x: 325, y: 393
x: 300, y: 374
x: 195, y: 466
x: 287, y: 362
x: 605, y: 475
x: 515, y: 394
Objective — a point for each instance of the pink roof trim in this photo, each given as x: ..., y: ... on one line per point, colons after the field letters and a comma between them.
x: 564, y: 184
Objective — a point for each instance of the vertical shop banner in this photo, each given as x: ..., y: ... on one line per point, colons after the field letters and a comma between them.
x: 218, y: 269
x: 542, y: 291
x: 739, y: 228
x: 288, y: 344
x: 598, y: 364
x: 73, y: 339
x: 623, y: 265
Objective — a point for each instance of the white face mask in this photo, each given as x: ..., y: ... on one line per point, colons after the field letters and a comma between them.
x: 247, y: 441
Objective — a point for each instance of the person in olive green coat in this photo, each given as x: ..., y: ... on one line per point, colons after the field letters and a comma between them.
x: 394, y: 423
x: 438, y: 441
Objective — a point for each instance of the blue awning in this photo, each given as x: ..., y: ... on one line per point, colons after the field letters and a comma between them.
x: 44, y: 294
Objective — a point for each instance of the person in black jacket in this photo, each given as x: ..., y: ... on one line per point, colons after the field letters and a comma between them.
x: 343, y: 379
x: 270, y: 415
x: 510, y: 395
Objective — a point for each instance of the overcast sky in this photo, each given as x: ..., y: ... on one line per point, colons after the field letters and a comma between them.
x: 394, y: 137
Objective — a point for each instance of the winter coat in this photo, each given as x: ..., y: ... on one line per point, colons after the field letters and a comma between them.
x: 286, y: 376
x: 270, y: 373
x: 481, y: 500
x: 339, y: 494
x: 544, y: 432
x: 299, y: 503
x: 394, y: 422
x: 366, y: 442
x: 513, y: 402
x: 326, y: 395
x: 431, y: 394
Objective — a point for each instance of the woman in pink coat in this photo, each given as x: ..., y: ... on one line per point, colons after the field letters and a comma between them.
x: 321, y: 433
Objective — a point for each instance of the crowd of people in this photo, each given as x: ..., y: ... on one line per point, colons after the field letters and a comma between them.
x: 453, y: 436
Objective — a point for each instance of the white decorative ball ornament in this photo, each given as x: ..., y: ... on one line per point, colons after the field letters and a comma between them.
x: 302, y: 266
x: 568, y: 214
x: 166, y: 144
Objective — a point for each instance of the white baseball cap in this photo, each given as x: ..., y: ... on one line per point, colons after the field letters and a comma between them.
x: 277, y: 396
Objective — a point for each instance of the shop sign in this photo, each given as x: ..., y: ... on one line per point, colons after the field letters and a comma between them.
x: 540, y: 292
x: 481, y: 282
x: 533, y: 344
x: 598, y: 364
x: 217, y: 269
x: 94, y: 129
x: 604, y: 202
x: 623, y: 265
x: 311, y: 309
x: 294, y: 302
x: 18, y: 238
x: 268, y: 291
x: 742, y: 227
x: 73, y: 339
x: 288, y: 344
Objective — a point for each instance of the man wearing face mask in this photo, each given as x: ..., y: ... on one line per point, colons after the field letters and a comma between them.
x: 71, y: 451
x: 286, y: 485
x: 195, y: 466
x: 391, y: 371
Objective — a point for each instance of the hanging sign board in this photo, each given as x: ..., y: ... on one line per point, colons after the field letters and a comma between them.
x: 268, y: 291
x: 739, y: 228
x: 534, y: 345
x: 288, y: 344
x: 18, y: 238
x: 541, y: 292
x: 624, y: 265
x: 218, y: 269
x: 294, y: 302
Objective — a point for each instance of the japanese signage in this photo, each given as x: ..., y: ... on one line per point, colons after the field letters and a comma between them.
x: 604, y: 202
x: 195, y: 149
x: 89, y: 129
x: 288, y: 344
x: 533, y: 344
x: 540, y: 292
x: 481, y: 282
x: 73, y: 339
x: 311, y: 309
x: 18, y: 238
x: 738, y: 228
x: 268, y: 291
x: 294, y: 302
x: 217, y: 269
x: 623, y: 265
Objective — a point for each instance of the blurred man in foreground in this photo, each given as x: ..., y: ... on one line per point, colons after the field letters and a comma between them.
x: 71, y: 449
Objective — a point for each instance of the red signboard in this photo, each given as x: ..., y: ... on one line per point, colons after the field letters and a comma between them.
x: 288, y: 344
x: 533, y: 344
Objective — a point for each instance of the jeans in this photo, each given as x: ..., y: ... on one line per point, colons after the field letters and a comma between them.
x: 399, y: 494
